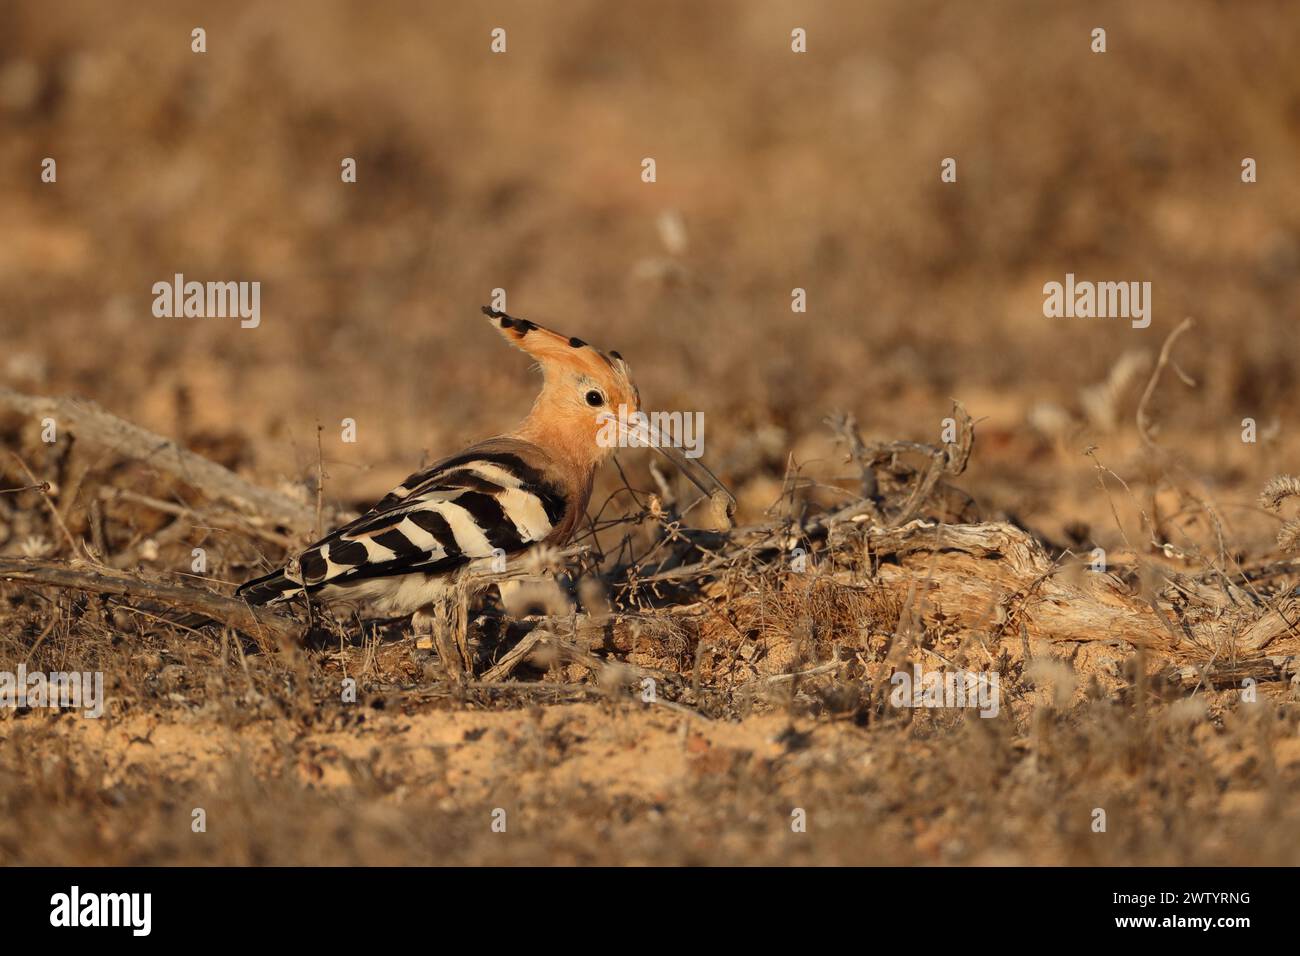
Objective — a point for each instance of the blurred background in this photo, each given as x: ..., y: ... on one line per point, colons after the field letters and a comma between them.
x: 774, y: 171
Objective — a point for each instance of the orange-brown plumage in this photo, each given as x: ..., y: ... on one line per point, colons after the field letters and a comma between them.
x: 563, y: 420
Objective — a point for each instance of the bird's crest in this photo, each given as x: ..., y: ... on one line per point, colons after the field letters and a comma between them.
x: 552, y: 348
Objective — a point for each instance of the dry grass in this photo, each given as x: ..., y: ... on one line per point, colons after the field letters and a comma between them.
x: 772, y: 692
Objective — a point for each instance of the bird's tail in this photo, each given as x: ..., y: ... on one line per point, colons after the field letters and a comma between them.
x: 271, y: 587
x: 264, y: 590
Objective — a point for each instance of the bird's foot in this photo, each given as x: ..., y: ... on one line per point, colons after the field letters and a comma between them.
x: 436, y: 632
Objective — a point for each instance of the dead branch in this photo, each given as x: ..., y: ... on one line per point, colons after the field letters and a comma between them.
x: 92, y: 424
x: 979, y: 576
x: 197, y: 518
x: 1276, y: 667
x: 251, y: 621
x: 1281, y: 620
x: 514, y: 657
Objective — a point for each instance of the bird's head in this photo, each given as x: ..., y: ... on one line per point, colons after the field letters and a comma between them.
x: 588, y: 404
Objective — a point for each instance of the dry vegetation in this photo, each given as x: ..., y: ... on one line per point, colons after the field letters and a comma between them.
x: 1121, y: 689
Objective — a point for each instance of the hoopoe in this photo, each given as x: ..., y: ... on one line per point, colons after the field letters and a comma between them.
x: 501, y: 496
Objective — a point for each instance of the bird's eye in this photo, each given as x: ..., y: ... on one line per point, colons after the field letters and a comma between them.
x: 595, y: 399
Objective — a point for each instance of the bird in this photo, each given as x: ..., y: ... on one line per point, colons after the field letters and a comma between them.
x: 502, y: 496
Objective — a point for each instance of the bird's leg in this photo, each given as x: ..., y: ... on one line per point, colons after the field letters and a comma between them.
x: 422, y: 628
x: 460, y: 626
x: 442, y: 625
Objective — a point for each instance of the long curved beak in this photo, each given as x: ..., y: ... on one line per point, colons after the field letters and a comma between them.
x: 642, y: 433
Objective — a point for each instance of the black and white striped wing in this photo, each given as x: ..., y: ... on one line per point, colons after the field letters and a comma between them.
x: 473, y: 506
